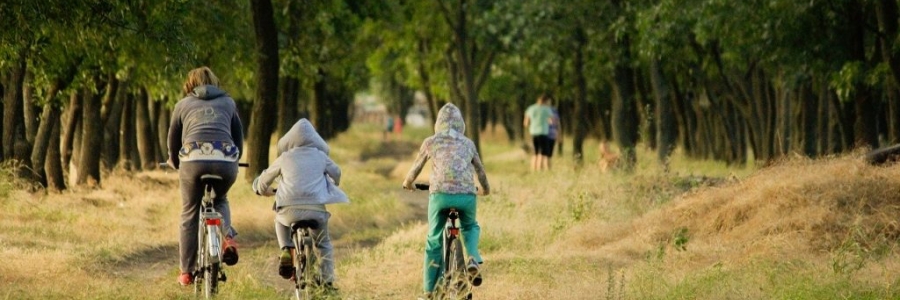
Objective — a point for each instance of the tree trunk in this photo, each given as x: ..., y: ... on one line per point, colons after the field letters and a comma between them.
x: 682, y: 117
x: 887, y: 14
x: 267, y: 66
x: 72, y: 119
x: 49, y: 119
x: 665, y: 114
x: 864, y: 126
x: 809, y: 116
x: 146, y: 145
x: 13, y: 121
x: 127, y: 142
x: 785, y: 115
x: 53, y: 161
x: 112, y: 125
x: 579, y: 109
x: 162, y: 131
x: 31, y: 110
x: 91, y: 140
x: 422, y: 47
x: 625, y: 117
x: 111, y: 110
x: 287, y: 104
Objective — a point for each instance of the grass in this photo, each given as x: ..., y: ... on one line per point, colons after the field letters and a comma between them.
x: 798, y: 229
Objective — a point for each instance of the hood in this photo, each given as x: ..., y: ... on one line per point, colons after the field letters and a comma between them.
x: 449, y: 117
x: 207, y: 92
x: 302, y: 134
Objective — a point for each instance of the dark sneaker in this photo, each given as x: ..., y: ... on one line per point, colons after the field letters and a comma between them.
x: 474, y: 272
x: 185, y: 279
x: 286, y: 264
x: 230, y: 255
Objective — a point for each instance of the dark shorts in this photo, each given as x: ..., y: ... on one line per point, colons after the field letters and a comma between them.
x: 543, y: 145
x: 551, y: 144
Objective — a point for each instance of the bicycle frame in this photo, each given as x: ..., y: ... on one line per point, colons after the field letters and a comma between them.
x: 209, y: 242
x: 454, y: 282
x: 306, y: 271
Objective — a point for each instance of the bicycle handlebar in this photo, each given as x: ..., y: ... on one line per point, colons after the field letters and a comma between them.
x: 166, y: 165
x: 425, y: 186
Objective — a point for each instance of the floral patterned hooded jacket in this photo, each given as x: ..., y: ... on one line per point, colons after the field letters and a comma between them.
x: 455, y: 160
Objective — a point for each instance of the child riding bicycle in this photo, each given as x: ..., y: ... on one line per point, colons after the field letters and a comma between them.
x: 309, y: 180
x: 455, y: 164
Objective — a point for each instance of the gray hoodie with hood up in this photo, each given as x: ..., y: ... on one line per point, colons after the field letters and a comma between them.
x: 309, y: 178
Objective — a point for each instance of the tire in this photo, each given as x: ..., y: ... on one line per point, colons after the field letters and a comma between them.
x: 309, y: 267
x: 211, y: 282
x: 202, y: 258
x: 458, y: 283
x: 299, y: 287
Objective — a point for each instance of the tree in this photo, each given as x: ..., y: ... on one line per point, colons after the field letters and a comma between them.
x: 261, y: 124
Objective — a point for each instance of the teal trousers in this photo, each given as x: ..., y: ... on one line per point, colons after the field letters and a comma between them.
x: 437, y: 218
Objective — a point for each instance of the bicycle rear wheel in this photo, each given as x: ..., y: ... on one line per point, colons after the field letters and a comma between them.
x: 211, y: 284
x: 456, y: 284
x: 309, y: 269
x: 202, y: 258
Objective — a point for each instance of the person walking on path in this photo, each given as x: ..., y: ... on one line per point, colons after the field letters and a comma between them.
x: 537, y: 119
x: 554, y: 132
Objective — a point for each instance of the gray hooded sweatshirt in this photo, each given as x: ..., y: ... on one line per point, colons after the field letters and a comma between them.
x: 309, y: 178
x: 208, y: 114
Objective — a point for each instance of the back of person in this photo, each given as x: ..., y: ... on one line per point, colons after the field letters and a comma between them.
x: 539, y: 119
x: 307, y: 180
x: 455, y: 164
x: 205, y: 137
x: 452, y: 154
x: 303, y: 164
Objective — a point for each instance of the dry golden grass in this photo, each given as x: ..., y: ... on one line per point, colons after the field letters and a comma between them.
x: 799, y: 229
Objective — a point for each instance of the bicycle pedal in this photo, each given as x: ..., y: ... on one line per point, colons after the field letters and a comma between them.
x: 223, y: 277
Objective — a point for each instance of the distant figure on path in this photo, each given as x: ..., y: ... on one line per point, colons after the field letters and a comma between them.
x: 388, y: 127
x: 554, y: 132
x: 537, y: 119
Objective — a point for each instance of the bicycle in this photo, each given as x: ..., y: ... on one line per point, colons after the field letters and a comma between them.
x: 210, y: 236
x: 305, y: 269
x: 307, y: 279
x: 456, y: 281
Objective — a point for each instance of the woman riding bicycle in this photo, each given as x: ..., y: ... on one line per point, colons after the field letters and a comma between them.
x: 205, y: 137
x: 455, y: 164
x: 309, y: 180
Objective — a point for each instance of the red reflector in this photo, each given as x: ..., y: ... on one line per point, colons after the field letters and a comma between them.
x: 454, y: 231
x: 213, y: 221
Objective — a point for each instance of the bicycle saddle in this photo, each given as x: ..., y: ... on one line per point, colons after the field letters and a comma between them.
x: 311, y: 224
x: 209, y: 179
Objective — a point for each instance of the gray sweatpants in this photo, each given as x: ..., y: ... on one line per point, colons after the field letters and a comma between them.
x: 191, y: 197
x: 283, y: 219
